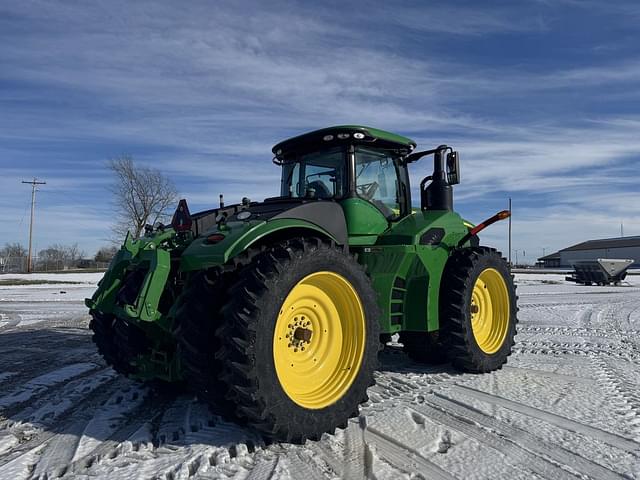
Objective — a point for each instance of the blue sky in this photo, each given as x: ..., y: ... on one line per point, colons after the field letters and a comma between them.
x: 541, y: 98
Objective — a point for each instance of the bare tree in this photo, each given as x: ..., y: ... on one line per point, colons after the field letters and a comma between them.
x: 142, y: 196
x: 13, y: 250
x: 105, y: 254
x: 51, y: 258
x: 73, y: 253
x: 13, y: 257
x: 59, y: 257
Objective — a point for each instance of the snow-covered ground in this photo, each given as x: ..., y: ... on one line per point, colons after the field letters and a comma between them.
x: 566, y: 406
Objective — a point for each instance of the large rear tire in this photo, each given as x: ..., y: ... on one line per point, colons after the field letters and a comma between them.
x: 299, y: 340
x: 478, y: 309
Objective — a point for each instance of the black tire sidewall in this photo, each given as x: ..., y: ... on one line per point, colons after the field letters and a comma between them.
x: 269, y: 305
x: 477, y: 359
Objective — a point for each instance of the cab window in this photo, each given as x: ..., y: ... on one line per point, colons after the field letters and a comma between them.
x: 315, y: 175
x: 377, y: 180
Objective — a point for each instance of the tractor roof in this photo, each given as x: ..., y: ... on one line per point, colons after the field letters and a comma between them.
x: 357, y: 134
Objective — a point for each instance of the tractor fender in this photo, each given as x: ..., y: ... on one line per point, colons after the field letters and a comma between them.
x: 329, y: 216
x: 238, y: 236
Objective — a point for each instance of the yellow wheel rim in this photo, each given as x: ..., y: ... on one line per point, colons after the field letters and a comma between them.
x: 490, y: 310
x: 319, y: 340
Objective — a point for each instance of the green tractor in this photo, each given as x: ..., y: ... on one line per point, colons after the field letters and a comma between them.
x: 275, y: 311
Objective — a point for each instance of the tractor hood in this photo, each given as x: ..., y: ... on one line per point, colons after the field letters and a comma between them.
x: 225, y: 232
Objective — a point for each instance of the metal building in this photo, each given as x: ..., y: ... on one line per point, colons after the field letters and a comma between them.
x: 621, y: 247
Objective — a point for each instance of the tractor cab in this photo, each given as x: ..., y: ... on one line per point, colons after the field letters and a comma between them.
x: 365, y: 170
x: 350, y: 165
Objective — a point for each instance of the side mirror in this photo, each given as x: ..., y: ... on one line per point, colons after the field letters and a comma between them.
x: 453, y: 168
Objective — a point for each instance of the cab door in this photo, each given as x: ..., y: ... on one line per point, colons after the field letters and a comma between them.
x: 377, y: 199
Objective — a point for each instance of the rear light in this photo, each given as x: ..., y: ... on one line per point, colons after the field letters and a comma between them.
x: 215, y: 238
x: 181, y: 221
x: 504, y: 214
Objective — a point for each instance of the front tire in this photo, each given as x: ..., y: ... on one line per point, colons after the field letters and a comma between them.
x: 118, y: 341
x: 300, y: 339
x: 478, y: 309
x: 198, y: 315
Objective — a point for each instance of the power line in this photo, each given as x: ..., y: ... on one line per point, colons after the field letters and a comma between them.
x: 510, y: 232
x: 33, y: 183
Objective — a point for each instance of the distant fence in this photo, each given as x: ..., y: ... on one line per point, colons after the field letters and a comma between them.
x: 19, y: 264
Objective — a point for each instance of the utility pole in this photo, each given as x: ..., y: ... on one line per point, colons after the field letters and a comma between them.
x: 509, y: 231
x: 33, y: 183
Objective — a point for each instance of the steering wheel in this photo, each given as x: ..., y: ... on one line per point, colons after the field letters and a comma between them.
x: 367, y: 190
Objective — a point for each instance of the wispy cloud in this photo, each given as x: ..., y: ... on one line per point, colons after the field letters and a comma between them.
x: 203, y: 91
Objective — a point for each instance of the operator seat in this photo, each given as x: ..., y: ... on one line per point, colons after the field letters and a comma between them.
x: 321, y: 190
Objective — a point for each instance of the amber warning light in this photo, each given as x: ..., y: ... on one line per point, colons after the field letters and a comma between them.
x: 504, y: 214
x: 181, y: 221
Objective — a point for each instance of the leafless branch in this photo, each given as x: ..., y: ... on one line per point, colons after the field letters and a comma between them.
x: 142, y: 196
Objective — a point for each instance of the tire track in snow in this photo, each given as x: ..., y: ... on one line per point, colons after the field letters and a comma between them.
x: 41, y: 383
x: 355, y: 455
x: 210, y: 441
x: 624, y: 395
x: 62, y: 446
x: 574, y: 331
x: 44, y: 414
x: 55, y: 402
x: 264, y: 469
x: 521, y: 447
x: 33, y: 361
x: 298, y: 462
x: 332, y: 459
x: 114, y: 416
x: 177, y: 438
x: 21, y: 467
x: 609, y: 438
x: 551, y: 375
x: 73, y: 420
x: 9, y: 321
x: 404, y: 457
x: 559, y: 347
x: 113, y: 426
x: 525, y: 306
x: 392, y: 385
x: 585, y: 315
x: 348, y: 454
